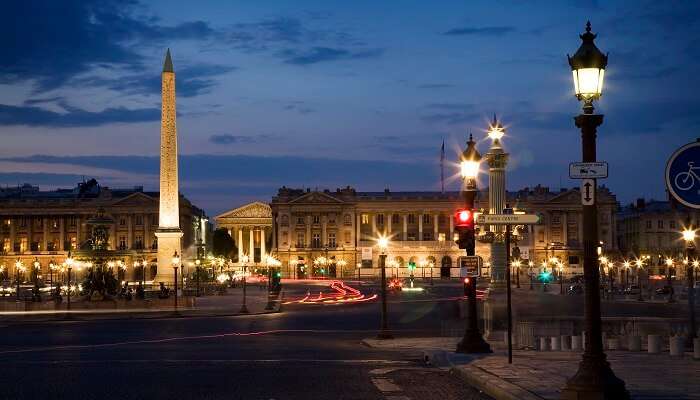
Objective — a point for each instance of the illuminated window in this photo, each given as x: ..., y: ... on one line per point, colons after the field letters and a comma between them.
x: 54, y: 223
x: 365, y: 219
x: 23, y: 243
x: 347, y: 237
x: 300, y: 220
x: 122, y: 242
x: 347, y: 219
x: 316, y: 240
x: 441, y: 237
x: 380, y: 219
x: 73, y: 242
x: 331, y: 239
x: 426, y: 218
x: 316, y: 219
x: 6, y: 245
x: 300, y: 239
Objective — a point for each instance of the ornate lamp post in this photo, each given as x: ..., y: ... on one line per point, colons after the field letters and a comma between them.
x: 640, y: 267
x: 530, y: 264
x: 244, y: 260
x: 384, y: 332
x: 560, y: 267
x: 669, y: 279
x: 19, y: 267
x: 176, y: 263
x: 594, y: 378
x: 197, y: 263
x: 472, y: 341
x: 69, y: 266
x: 689, y: 238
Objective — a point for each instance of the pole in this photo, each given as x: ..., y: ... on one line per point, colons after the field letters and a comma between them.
x: 561, y: 281
x: 68, y: 306
x: 691, y: 296
x: 244, y: 308
x: 17, y: 273
x: 175, y: 269
x: 531, y: 286
x: 197, y: 280
x: 509, y: 309
x: 594, y: 378
x: 517, y: 277
x: 384, y: 332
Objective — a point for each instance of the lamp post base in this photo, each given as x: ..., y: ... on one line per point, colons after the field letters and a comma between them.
x: 473, y: 342
x: 594, y: 380
x: 243, y: 310
x: 384, y: 334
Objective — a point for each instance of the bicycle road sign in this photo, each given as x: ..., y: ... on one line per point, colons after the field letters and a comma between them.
x: 683, y: 175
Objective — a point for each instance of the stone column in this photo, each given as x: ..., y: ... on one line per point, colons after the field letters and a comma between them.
x: 130, y: 231
x: 435, y: 226
x: 373, y: 218
x: 358, y: 235
x: 62, y: 233
x: 251, y: 245
x: 420, y: 226
x: 146, y: 231
x: 13, y: 233
x: 389, y: 224
x: 404, y: 236
x: 307, y: 239
x: 324, y: 240
x: 452, y: 229
x: 45, y: 238
x: 240, y: 243
x: 262, y: 243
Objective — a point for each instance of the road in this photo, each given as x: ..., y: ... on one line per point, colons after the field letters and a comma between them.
x: 306, y: 352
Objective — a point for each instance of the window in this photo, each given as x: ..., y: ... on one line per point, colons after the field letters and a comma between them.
x: 441, y: 219
x: 154, y: 219
x: 285, y: 220
x: 23, y: 222
x: 54, y: 223
x: 73, y: 242
x: 380, y: 219
x: 138, y: 242
x: 6, y: 245
x: 139, y: 220
x: 648, y: 224
x: 285, y: 238
x: 556, y: 219
x: 427, y: 236
x: 122, y: 242
x: 331, y: 239
x: 660, y: 224
x: 122, y: 221
x: 316, y: 240
x: 347, y: 219
x: 395, y: 219
x: 411, y: 218
x: 411, y: 236
x: 331, y: 218
x: 426, y: 218
x: 365, y: 219
x: 540, y: 235
x: 441, y: 237
x: 347, y: 237
x: 573, y: 260
x: 38, y: 222
x: 300, y: 220
x: 316, y: 219
x: 72, y: 221
x: 300, y: 239
x: 23, y: 243
x: 672, y: 224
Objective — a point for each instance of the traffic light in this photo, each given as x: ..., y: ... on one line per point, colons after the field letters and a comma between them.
x: 469, y: 286
x: 464, y: 223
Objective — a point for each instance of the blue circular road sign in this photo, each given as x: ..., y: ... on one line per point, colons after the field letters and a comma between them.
x: 683, y: 175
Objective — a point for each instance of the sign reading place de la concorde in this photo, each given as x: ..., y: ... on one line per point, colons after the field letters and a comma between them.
x: 683, y: 175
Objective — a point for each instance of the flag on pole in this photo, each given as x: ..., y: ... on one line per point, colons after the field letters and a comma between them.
x: 442, y: 166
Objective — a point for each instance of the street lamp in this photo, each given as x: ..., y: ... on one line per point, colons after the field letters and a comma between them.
x: 669, y: 279
x: 176, y: 264
x: 517, y: 264
x: 383, y: 243
x: 626, y: 272
x: 244, y: 260
x: 69, y: 265
x: 689, y: 238
x: 560, y: 266
x: 19, y: 267
x: 640, y: 267
x: 530, y: 264
x: 197, y: 263
x: 594, y: 378
x: 472, y: 341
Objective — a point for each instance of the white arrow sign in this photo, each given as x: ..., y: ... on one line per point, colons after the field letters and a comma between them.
x: 507, y: 219
x: 583, y: 170
x: 588, y: 192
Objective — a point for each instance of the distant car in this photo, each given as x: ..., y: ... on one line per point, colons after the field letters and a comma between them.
x: 664, y: 290
x: 633, y: 289
x: 575, y: 289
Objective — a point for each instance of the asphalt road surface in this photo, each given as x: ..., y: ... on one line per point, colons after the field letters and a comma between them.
x: 306, y: 352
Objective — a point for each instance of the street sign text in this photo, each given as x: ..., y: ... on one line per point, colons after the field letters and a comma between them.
x: 583, y: 170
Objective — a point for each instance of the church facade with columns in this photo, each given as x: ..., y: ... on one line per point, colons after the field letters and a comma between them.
x: 333, y: 233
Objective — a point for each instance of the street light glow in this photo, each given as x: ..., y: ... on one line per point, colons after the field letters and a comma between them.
x: 383, y: 242
x: 689, y: 235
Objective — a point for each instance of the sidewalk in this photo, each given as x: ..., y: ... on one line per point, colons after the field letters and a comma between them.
x: 541, y: 375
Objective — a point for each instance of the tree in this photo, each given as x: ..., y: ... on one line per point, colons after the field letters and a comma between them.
x: 222, y: 243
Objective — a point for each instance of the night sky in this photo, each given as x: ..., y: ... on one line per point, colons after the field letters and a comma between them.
x: 334, y: 93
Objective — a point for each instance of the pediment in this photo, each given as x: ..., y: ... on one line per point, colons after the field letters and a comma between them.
x: 136, y: 199
x: 316, y: 198
x: 570, y: 196
x: 251, y: 210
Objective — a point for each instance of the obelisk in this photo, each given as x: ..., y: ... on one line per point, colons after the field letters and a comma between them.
x: 168, y: 232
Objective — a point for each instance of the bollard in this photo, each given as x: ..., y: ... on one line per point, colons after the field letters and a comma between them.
x: 613, y: 343
x: 565, y: 343
x: 543, y: 344
x: 583, y: 340
x: 654, y: 344
x: 696, y: 348
x: 634, y: 343
x: 556, y: 343
x: 576, y: 343
x: 675, y: 348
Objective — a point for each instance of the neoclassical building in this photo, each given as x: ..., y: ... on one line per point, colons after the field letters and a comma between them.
x: 250, y: 226
x: 333, y: 233
x: 43, y: 226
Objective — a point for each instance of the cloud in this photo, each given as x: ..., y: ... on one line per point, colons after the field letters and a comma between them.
x: 237, y: 139
x: 324, y: 54
x: 73, y: 116
x: 435, y: 86
x: 299, y: 107
x: 451, y: 113
x: 62, y: 39
x: 483, y: 31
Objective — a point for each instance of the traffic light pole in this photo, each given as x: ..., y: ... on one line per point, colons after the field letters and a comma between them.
x: 473, y: 341
x: 509, y: 310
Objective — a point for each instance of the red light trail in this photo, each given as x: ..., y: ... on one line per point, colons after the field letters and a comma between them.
x: 342, y: 294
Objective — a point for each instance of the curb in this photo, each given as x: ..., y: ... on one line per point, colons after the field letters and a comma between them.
x: 492, y: 385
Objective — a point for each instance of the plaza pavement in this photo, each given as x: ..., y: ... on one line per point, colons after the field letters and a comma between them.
x: 541, y: 375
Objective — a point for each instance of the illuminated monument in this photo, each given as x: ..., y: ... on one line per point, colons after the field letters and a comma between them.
x: 168, y: 232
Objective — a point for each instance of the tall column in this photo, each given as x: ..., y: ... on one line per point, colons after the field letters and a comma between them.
x: 240, y: 243
x: 262, y: 243
x: 251, y: 244
x: 497, y: 160
x: 404, y: 236
x: 420, y: 226
x: 169, y: 233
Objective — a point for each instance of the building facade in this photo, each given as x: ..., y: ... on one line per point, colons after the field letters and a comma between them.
x: 652, y: 230
x: 44, y: 225
x: 325, y: 233
x: 250, y: 226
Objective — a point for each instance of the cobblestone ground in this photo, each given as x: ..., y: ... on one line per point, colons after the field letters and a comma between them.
x: 435, y: 384
x: 647, y: 376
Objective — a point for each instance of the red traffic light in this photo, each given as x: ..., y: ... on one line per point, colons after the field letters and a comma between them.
x: 463, y: 218
x: 466, y: 280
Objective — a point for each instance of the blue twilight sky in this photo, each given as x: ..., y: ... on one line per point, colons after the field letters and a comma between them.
x: 334, y: 93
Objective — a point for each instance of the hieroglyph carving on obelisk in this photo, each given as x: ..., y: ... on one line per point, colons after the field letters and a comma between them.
x: 169, y: 232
